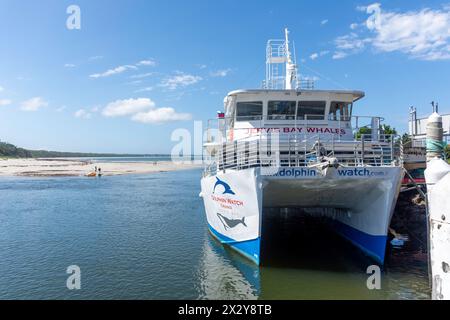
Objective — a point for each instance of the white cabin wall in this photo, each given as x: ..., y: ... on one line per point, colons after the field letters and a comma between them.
x: 266, y: 96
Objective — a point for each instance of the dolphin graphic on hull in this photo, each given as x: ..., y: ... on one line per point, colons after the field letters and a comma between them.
x: 226, y: 186
x: 231, y: 223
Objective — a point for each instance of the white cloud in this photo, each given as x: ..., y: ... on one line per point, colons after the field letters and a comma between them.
x: 61, y: 109
x: 324, y: 22
x: 220, y: 73
x: 423, y: 35
x: 349, y: 44
x: 161, y: 115
x: 95, y: 58
x: 146, y: 89
x: 149, y: 62
x: 82, y: 114
x: 339, y: 55
x: 143, y: 110
x: 126, y: 107
x: 113, y: 71
x: 316, y: 55
x: 351, y: 41
x: 142, y: 75
x: 1, y: 89
x: 34, y: 104
x: 135, y: 82
x: 5, y: 102
x: 354, y: 26
x: 180, y: 80
x: 123, y: 68
x: 361, y: 8
x: 69, y: 65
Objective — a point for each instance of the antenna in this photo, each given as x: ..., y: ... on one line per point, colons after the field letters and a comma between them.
x: 413, y: 128
x: 281, y: 70
x: 297, y: 83
x: 291, y: 68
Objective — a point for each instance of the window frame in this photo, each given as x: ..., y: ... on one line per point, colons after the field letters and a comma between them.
x: 259, y: 117
x: 342, y: 116
x: 280, y: 116
x: 323, y: 114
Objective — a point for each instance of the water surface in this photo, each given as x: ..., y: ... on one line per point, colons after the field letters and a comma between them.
x: 145, y: 237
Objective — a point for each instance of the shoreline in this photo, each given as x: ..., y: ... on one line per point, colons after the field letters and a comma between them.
x: 65, y: 167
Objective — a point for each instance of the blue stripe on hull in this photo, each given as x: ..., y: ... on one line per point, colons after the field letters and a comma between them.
x: 249, y: 248
x: 373, y: 246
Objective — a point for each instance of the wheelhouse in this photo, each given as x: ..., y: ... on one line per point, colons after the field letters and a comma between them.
x: 289, y: 111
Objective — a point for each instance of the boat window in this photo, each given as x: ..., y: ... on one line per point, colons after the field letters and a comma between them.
x: 311, y: 110
x: 249, y: 110
x: 281, y: 110
x: 340, y: 111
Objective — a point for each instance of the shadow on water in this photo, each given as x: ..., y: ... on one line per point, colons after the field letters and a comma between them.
x: 301, y: 258
x: 292, y: 239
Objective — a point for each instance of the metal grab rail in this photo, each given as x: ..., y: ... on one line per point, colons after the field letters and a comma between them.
x: 291, y: 151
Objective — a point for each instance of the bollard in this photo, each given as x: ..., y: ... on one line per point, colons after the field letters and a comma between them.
x: 435, y: 134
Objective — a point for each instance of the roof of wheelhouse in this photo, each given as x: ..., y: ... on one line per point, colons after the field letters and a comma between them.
x: 357, y: 95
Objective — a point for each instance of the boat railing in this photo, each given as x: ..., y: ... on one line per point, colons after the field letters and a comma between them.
x: 292, y: 150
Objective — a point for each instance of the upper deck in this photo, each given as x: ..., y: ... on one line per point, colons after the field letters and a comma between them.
x: 247, y: 112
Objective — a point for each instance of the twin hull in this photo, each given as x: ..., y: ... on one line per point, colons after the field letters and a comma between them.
x: 358, y: 200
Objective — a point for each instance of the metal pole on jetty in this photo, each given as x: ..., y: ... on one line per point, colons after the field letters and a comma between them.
x: 437, y: 177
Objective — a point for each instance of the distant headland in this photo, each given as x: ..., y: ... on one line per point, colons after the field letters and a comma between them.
x: 8, y: 150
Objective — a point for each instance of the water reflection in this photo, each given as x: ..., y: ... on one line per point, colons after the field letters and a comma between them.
x: 224, y: 274
x: 303, y: 259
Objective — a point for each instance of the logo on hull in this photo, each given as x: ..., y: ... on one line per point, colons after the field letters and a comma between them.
x: 226, y: 187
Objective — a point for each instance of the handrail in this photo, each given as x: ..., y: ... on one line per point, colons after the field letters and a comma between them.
x: 295, y: 152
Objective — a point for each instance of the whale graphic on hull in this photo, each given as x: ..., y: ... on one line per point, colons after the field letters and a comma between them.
x: 231, y: 223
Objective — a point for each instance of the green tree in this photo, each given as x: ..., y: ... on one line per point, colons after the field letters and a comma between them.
x: 363, y: 130
x: 11, y: 151
x: 387, y: 129
x: 384, y: 129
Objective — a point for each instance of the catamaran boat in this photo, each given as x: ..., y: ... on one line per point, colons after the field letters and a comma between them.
x: 288, y: 145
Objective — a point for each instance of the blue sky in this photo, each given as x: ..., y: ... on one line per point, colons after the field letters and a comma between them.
x: 137, y: 70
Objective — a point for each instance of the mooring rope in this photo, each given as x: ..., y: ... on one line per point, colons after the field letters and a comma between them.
x: 435, y: 146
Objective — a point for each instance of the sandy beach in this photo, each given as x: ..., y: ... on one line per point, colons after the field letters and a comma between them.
x: 70, y: 167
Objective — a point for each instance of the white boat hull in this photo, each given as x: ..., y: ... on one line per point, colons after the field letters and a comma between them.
x: 358, y: 200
